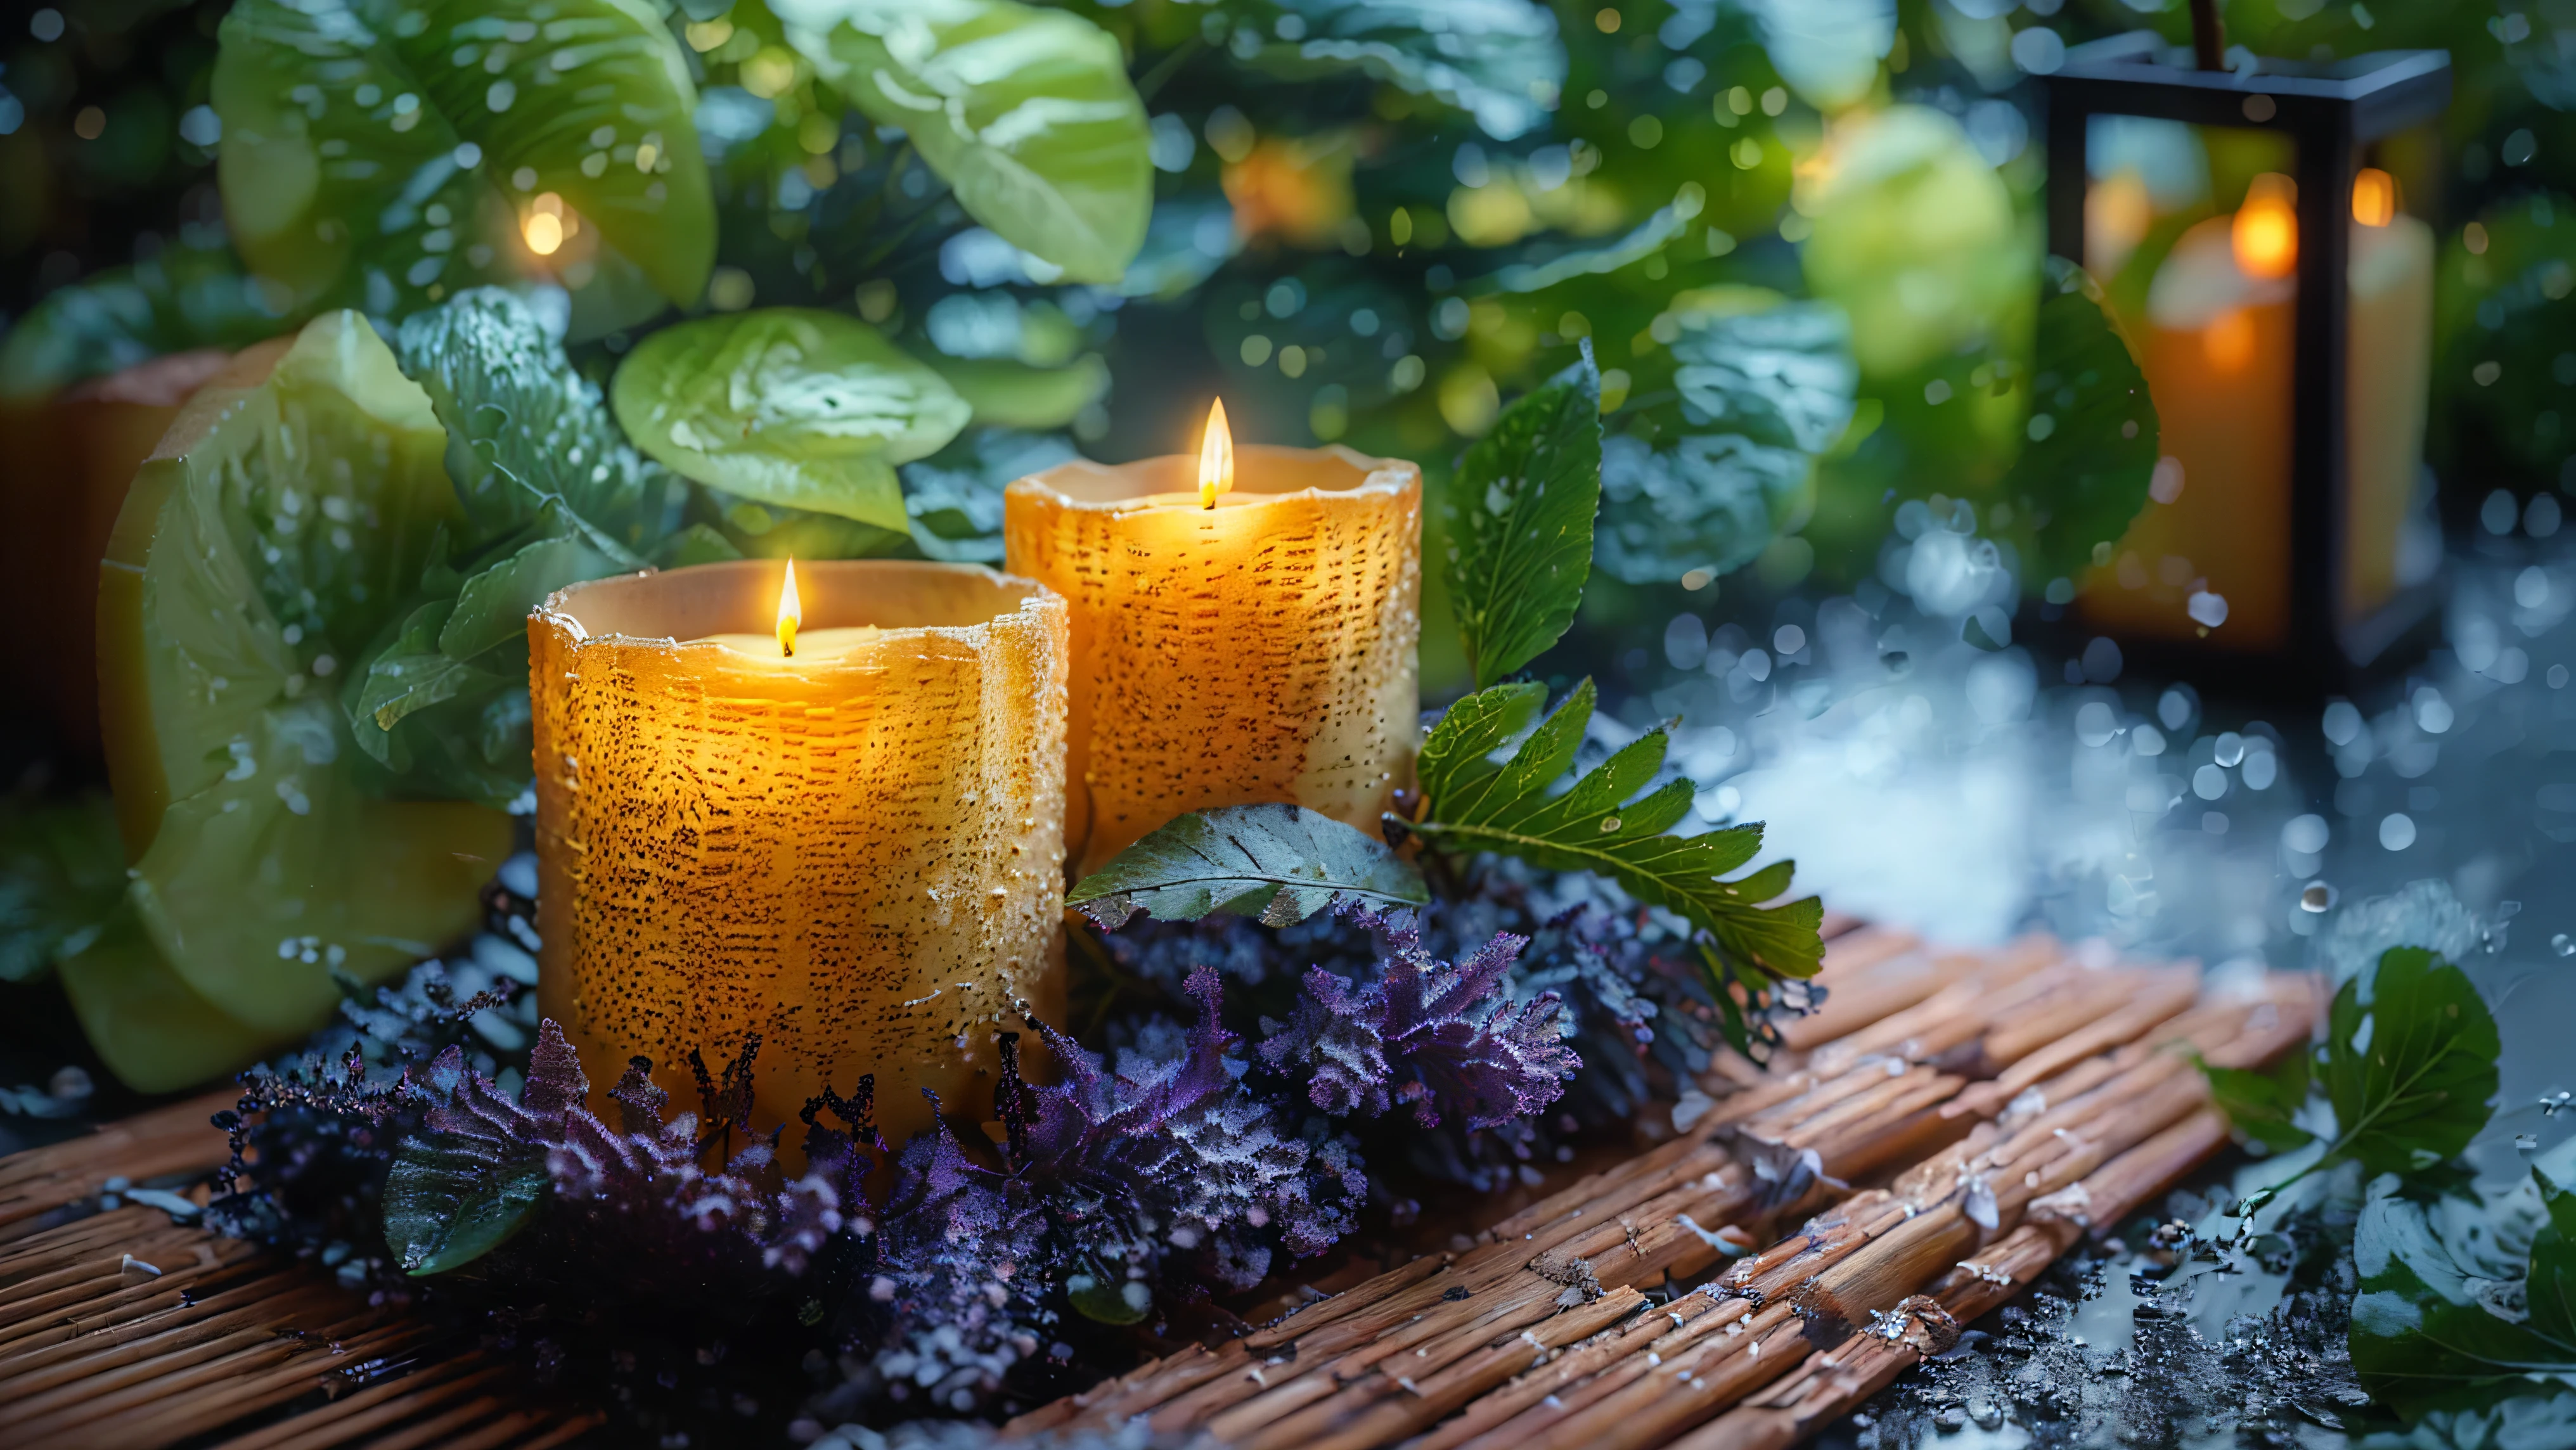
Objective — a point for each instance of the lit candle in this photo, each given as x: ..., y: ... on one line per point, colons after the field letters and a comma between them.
x: 847, y: 839
x: 2219, y: 343
x: 1243, y: 630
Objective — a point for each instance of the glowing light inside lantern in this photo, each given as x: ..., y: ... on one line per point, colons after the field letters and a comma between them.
x: 791, y: 613
x: 1216, y: 457
x: 2374, y: 197
x: 2265, y: 236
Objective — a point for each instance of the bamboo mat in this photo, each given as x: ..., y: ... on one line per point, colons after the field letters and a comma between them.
x: 123, y: 1330
x: 1946, y: 1126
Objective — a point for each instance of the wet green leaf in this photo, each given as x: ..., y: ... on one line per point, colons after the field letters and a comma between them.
x: 1277, y: 863
x: 451, y: 1198
x: 1519, y: 514
x: 1497, y: 60
x: 2092, y: 434
x: 1603, y: 825
x: 2410, y: 1063
x: 2261, y: 1104
x: 789, y: 406
x: 384, y: 154
x: 1763, y: 392
x: 1027, y: 113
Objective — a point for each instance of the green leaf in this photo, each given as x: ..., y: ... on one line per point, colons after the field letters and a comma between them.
x: 2524, y: 1422
x: 2083, y: 475
x: 1519, y: 519
x: 1106, y: 1301
x: 955, y: 496
x: 552, y: 495
x: 2426, y: 1327
x: 1027, y: 113
x: 2261, y: 1104
x: 187, y: 297
x: 62, y: 871
x: 1782, y: 376
x: 383, y: 154
x: 790, y: 406
x: 1497, y: 60
x: 451, y: 1198
x: 525, y: 431
x: 2410, y: 1063
x: 1766, y: 385
x: 2549, y: 1290
x: 1278, y: 863
x: 1602, y: 825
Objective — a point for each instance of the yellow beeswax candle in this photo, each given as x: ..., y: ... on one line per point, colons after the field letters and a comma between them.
x: 855, y: 851
x: 2389, y: 382
x: 1248, y: 641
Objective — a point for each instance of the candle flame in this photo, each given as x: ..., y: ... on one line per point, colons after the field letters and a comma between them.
x: 791, y: 613
x: 1216, y: 457
x: 2374, y: 197
x: 2266, y: 232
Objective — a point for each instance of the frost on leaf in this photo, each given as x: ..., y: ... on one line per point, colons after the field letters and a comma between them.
x: 1440, y: 1038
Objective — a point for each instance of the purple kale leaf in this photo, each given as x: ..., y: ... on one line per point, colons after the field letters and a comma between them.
x: 636, y: 1192
x: 1441, y: 1038
x: 1182, y: 1140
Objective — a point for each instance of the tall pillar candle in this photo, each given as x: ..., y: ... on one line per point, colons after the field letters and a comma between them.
x: 1254, y: 645
x: 854, y: 850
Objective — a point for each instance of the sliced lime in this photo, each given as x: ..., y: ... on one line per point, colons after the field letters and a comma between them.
x: 152, y: 1031
x: 284, y: 520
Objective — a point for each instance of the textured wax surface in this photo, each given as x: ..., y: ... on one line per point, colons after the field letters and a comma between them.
x: 860, y: 859
x: 1259, y: 651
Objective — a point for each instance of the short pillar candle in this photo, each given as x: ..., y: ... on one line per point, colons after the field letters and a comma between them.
x: 1229, y: 648
x: 854, y: 850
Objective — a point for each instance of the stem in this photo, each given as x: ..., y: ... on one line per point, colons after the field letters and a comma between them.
x: 1164, y: 69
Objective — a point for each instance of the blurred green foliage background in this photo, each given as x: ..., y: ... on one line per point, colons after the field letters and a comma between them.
x: 1373, y: 223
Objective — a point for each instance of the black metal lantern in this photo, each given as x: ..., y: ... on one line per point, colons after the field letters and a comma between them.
x: 2261, y: 232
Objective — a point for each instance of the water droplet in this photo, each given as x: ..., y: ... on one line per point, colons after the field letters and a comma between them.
x: 2563, y: 944
x: 2318, y: 897
x: 1609, y: 824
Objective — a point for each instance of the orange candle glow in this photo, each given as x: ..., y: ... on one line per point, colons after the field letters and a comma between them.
x: 1243, y: 630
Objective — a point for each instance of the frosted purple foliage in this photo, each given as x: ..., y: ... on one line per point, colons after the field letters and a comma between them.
x: 640, y: 1184
x: 1440, y: 1038
x: 1187, y: 1127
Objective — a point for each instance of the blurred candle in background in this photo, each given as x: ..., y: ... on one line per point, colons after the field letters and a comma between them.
x: 1243, y: 630
x: 2211, y: 550
x: 2389, y: 382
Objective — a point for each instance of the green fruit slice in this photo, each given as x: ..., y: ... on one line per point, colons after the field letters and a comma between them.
x: 154, y: 1033
x: 284, y: 520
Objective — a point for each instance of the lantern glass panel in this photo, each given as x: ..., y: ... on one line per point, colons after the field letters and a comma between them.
x: 2194, y: 232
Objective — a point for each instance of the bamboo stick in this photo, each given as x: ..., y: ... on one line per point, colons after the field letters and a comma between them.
x: 352, y: 1415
